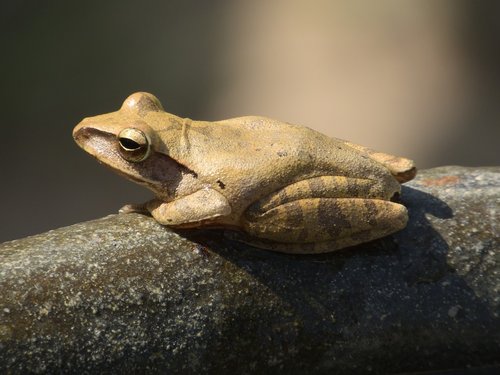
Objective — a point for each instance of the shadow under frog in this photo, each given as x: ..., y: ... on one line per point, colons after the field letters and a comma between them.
x: 389, y: 298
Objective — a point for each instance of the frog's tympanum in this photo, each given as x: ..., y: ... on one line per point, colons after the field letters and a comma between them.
x: 274, y: 185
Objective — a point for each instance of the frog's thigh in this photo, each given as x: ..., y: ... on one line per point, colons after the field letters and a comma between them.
x: 321, y: 187
x: 202, y: 205
x: 347, y: 220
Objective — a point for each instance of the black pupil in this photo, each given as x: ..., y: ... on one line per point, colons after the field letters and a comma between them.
x: 129, y: 144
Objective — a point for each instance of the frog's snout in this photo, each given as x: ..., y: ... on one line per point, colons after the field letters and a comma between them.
x: 88, y: 137
x: 79, y: 133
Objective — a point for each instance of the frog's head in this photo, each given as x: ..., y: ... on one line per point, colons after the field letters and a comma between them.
x: 128, y: 144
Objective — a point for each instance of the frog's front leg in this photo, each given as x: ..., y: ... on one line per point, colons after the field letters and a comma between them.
x: 202, y: 205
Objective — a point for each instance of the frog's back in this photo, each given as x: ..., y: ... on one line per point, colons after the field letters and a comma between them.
x: 309, y: 153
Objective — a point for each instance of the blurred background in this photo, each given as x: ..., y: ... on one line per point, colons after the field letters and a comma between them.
x: 413, y: 78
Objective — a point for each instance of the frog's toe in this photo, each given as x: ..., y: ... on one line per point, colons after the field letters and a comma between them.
x: 134, y: 208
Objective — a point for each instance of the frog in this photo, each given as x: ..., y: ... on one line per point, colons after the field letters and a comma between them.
x: 267, y: 183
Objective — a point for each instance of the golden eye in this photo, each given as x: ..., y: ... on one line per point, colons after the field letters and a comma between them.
x: 134, y: 145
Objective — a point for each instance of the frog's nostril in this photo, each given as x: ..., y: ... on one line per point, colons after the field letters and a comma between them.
x: 80, y: 134
x: 77, y: 131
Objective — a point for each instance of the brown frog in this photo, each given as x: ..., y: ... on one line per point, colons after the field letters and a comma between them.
x: 275, y: 185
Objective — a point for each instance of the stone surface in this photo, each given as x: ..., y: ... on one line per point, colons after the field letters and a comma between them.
x: 123, y: 294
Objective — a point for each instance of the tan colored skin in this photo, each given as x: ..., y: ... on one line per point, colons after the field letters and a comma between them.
x: 279, y: 186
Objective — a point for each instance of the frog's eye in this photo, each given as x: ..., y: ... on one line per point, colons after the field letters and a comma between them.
x: 134, y: 145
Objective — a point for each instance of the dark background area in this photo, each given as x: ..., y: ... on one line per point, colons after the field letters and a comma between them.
x: 419, y: 79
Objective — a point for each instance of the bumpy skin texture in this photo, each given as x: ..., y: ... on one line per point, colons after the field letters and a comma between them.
x: 277, y: 186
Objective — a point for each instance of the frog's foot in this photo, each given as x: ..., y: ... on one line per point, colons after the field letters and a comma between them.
x: 316, y: 225
x: 134, y: 208
x: 401, y: 168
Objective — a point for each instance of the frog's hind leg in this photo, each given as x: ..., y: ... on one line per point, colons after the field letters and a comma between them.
x: 325, y: 187
x: 401, y: 168
x: 317, y: 225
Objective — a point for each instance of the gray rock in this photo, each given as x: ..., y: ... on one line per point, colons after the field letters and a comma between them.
x: 124, y: 294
